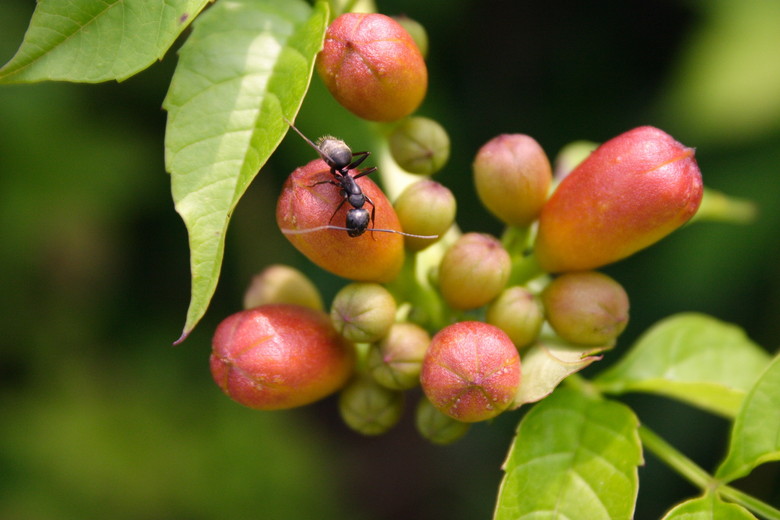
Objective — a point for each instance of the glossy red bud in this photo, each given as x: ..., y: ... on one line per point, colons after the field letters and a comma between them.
x: 629, y: 193
x: 471, y: 371
x: 305, y: 205
x: 373, y: 67
x: 279, y: 356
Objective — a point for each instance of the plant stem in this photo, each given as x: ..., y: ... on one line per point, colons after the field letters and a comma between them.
x: 674, y: 459
x: 700, y: 478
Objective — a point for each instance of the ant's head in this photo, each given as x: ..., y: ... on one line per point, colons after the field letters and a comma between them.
x: 357, y: 222
x: 335, y: 152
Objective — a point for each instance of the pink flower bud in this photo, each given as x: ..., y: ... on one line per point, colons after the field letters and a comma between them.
x: 471, y: 371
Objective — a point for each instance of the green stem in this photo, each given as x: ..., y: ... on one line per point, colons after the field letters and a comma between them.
x: 700, y: 478
x: 674, y: 459
x: 719, y: 207
x: 749, y: 502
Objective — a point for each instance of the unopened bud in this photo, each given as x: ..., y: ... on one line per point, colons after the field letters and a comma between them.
x: 282, y: 284
x: 373, y: 67
x: 437, y: 427
x: 369, y: 408
x: 513, y: 176
x: 363, y: 312
x: 473, y: 271
x: 631, y: 192
x: 416, y: 31
x: 471, y: 371
x: 425, y: 208
x: 518, y: 313
x: 395, y: 361
x: 279, y: 356
x: 420, y: 145
x: 587, y: 308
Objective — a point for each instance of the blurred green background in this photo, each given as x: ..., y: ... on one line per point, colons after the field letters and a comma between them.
x: 102, y: 417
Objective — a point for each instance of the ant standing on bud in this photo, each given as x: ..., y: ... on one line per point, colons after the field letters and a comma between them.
x: 340, y: 158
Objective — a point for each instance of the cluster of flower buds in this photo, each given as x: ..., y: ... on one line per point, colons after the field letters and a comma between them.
x: 427, y: 305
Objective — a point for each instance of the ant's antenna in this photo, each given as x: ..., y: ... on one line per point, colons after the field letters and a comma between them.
x: 339, y: 228
x: 311, y: 143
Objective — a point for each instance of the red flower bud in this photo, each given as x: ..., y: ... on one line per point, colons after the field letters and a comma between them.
x: 305, y: 205
x: 372, y: 66
x: 629, y: 193
x: 279, y: 356
x: 471, y: 371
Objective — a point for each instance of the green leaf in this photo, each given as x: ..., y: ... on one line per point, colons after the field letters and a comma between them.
x: 547, y: 363
x: 573, y: 457
x: 93, y: 41
x: 246, y: 64
x: 693, y: 358
x: 755, y: 436
x: 707, y: 508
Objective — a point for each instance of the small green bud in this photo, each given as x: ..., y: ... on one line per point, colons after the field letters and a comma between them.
x: 282, y: 284
x: 513, y: 175
x: 416, y: 31
x: 518, y: 313
x: 473, y: 271
x: 586, y: 307
x: 420, y: 145
x: 570, y: 157
x: 436, y: 426
x: 395, y: 361
x: 370, y: 408
x: 425, y: 208
x: 363, y: 312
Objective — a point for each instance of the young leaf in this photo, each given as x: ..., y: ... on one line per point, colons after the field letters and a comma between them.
x: 246, y: 64
x: 547, y: 363
x: 755, y: 436
x: 573, y: 457
x: 89, y: 41
x: 707, y: 508
x: 693, y: 358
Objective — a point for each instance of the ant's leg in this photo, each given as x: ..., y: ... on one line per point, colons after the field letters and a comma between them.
x: 367, y: 171
x: 337, y: 209
x: 373, y: 215
x: 361, y: 156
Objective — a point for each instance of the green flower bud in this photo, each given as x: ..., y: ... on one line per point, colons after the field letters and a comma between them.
x: 471, y: 371
x: 518, y: 313
x: 587, y: 307
x: 363, y: 312
x: 473, y: 271
x: 513, y: 175
x: 425, y: 208
x: 395, y: 361
x: 370, y: 408
x: 420, y: 145
x: 282, y: 284
x: 279, y: 356
x: 416, y: 31
x: 570, y: 157
x: 436, y: 426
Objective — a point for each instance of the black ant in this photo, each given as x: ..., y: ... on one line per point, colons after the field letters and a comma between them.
x: 341, y: 159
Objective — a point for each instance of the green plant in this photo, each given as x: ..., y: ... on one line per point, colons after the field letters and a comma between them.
x: 225, y: 110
